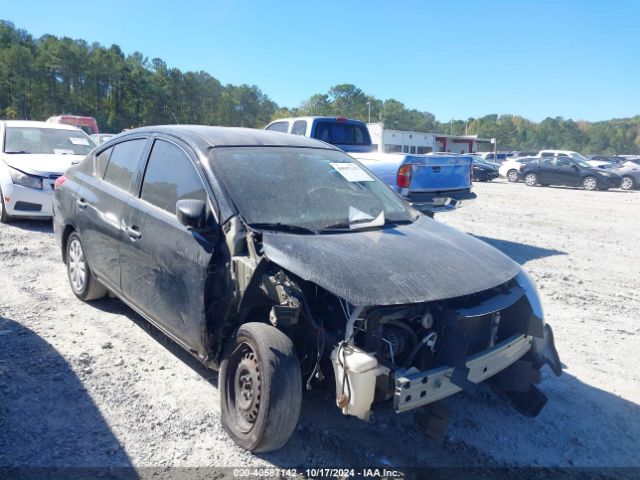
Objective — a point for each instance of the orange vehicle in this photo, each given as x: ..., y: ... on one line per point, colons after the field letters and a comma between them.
x: 88, y: 124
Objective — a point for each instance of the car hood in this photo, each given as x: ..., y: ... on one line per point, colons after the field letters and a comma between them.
x: 418, y: 262
x: 41, y: 164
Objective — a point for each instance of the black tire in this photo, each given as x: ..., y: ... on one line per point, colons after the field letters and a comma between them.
x: 262, y: 360
x: 628, y: 183
x: 83, y: 283
x: 530, y: 179
x: 590, y: 183
x: 512, y: 175
x: 4, y: 216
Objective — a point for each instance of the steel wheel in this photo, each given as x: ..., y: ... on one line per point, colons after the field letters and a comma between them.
x: 627, y: 183
x: 512, y: 175
x: 530, y: 179
x: 244, y: 391
x: 77, y: 266
x: 260, y: 387
x: 590, y: 183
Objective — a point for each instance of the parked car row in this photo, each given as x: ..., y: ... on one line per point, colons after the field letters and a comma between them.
x: 563, y: 167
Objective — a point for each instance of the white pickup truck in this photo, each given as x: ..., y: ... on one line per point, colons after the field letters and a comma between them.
x: 431, y: 183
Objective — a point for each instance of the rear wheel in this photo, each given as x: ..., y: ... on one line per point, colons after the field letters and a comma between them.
x: 84, y: 285
x: 512, y: 175
x: 590, y: 183
x: 260, y: 388
x: 4, y: 216
x: 627, y: 183
x: 531, y: 179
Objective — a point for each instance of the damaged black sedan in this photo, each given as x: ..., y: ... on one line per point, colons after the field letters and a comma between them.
x: 283, y: 263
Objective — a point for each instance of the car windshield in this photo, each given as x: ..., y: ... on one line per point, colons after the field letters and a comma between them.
x: 578, y: 157
x: 30, y: 140
x: 582, y: 163
x: 308, y: 188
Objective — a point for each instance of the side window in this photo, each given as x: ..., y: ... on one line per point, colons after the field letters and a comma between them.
x: 299, y: 127
x: 563, y: 162
x: 547, y: 154
x: 101, y: 162
x: 279, y: 127
x: 170, y: 176
x: 123, y: 162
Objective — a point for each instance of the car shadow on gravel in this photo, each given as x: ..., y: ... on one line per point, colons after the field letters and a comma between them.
x: 44, y: 226
x: 47, y: 418
x: 116, y: 306
x: 520, y: 252
x: 580, y: 426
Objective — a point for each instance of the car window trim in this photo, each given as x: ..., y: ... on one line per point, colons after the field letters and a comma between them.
x: 138, y: 192
x: 131, y: 189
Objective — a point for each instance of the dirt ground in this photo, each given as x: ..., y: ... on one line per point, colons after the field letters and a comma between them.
x: 96, y: 385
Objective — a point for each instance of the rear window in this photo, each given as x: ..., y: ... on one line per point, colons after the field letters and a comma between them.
x: 123, y: 162
x: 279, y: 127
x: 342, y: 133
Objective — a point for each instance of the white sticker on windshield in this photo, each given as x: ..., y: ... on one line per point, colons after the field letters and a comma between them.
x: 352, y: 172
x: 79, y: 141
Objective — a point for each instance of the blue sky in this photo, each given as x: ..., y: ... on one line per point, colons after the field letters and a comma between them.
x: 578, y: 59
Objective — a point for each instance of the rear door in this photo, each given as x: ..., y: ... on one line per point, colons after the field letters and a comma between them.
x: 100, y: 204
x: 546, y: 170
x: 566, y: 173
x: 164, y: 265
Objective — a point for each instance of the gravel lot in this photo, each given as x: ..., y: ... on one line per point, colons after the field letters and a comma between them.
x: 95, y: 385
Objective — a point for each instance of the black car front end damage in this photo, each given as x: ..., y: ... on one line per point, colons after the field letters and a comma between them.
x: 409, y: 354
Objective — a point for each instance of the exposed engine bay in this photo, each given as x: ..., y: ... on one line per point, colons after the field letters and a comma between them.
x: 409, y: 354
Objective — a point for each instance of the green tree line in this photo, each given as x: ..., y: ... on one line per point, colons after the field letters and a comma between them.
x: 41, y: 77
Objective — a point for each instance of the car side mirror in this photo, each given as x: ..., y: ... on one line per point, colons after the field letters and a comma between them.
x: 191, y: 213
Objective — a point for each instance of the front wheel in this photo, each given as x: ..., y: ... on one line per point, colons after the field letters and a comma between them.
x: 260, y: 388
x: 627, y: 183
x: 83, y: 284
x: 531, y: 179
x: 590, y: 183
x: 512, y: 175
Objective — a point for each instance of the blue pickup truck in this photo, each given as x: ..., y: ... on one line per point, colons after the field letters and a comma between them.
x: 434, y: 182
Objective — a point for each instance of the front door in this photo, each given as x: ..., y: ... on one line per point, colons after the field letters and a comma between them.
x: 164, y: 265
x: 566, y: 172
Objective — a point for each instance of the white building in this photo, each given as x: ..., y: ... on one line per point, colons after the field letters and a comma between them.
x: 387, y: 141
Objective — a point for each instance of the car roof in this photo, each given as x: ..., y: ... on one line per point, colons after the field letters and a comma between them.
x: 35, y: 124
x: 208, y: 136
x: 317, y: 117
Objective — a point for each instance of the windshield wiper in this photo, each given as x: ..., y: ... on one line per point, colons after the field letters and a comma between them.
x: 282, y: 227
x: 18, y: 151
x: 359, y: 225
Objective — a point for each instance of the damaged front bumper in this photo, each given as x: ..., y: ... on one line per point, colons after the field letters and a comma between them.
x: 414, y: 388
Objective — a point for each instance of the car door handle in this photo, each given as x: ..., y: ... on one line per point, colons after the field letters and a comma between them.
x: 82, y: 204
x: 133, y: 232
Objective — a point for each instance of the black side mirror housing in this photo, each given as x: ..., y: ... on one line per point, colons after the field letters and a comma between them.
x: 192, y: 213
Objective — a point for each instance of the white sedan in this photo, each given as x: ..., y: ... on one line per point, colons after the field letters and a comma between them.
x: 511, y: 167
x: 33, y: 156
